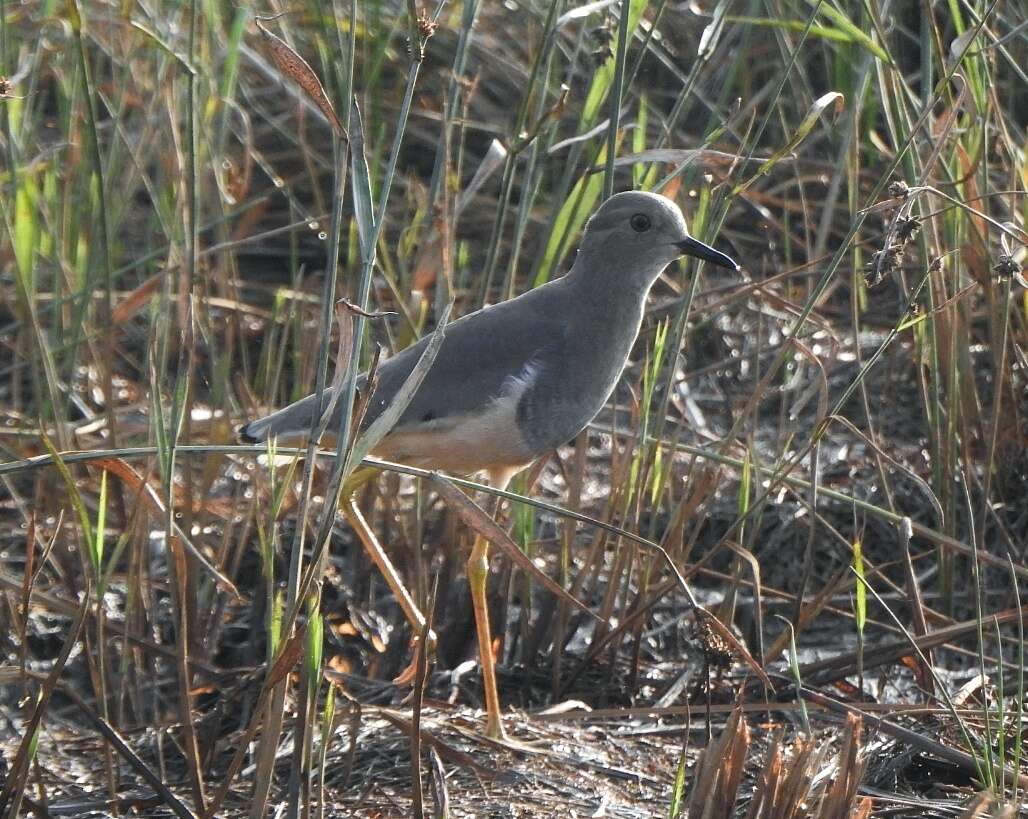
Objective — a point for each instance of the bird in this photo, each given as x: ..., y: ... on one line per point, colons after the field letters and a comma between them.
x: 514, y: 380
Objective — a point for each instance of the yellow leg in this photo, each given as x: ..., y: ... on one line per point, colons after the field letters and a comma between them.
x: 478, y: 579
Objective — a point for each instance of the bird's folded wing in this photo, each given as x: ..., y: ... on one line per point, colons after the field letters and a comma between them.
x: 482, y: 357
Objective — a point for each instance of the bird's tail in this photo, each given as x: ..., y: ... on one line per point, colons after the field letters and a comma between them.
x: 289, y: 422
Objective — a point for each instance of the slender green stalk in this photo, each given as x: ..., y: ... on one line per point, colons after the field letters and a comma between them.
x: 617, y: 92
x: 97, y: 169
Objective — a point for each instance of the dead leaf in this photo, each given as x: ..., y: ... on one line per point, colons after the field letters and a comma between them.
x: 295, y: 66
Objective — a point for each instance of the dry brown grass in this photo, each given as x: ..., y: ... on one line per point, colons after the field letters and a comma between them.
x: 193, y: 632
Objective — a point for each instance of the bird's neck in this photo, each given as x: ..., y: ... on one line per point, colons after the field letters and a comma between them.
x: 603, y: 318
x: 607, y: 292
x: 608, y: 308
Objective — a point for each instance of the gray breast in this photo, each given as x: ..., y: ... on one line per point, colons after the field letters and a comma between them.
x: 576, y: 381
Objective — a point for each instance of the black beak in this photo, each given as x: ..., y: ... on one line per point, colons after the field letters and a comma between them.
x: 694, y: 247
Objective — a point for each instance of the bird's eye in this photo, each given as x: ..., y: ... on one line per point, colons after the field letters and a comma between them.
x: 640, y: 222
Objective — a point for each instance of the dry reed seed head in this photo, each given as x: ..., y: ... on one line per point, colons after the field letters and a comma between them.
x: 890, y: 259
x: 716, y: 650
x: 907, y: 228
x: 6, y: 87
x: 898, y: 189
x: 426, y: 26
x: 601, y: 35
x: 1007, y: 268
x: 604, y: 32
x: 603, y: 39
x: 882, y: 263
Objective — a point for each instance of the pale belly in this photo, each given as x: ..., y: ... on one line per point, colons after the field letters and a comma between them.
x: 488, y: 441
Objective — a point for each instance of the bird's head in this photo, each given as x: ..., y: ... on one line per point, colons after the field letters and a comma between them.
x: 637, y: 234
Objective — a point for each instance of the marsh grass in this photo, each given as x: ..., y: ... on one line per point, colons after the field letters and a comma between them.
x: 192, y: 622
